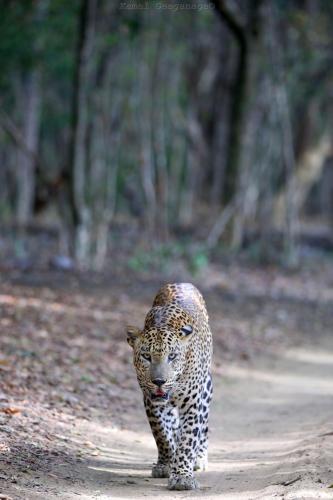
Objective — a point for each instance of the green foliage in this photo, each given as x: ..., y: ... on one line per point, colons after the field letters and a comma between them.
x: 163, y: 256
x: 16, y: 37
x: 37, y: 33
x: 197, y: 261
x: 58, y: 39
x: 158, y: 258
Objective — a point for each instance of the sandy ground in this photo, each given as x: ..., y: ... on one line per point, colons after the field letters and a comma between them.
x: 271, y: 437
x: 80, y: 430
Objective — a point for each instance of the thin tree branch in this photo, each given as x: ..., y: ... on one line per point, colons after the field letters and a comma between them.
x: 220, y: 224
x: 231, y: 22
x: 15, y: 134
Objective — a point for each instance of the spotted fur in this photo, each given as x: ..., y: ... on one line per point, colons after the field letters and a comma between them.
x: 172, y: 358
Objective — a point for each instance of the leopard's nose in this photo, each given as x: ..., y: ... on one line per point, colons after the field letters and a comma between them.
x: 158, y: 381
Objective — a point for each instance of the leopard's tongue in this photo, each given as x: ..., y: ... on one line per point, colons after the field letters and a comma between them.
x: 159, y: 392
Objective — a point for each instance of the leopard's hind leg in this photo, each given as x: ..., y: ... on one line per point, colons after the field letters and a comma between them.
x: 202, y: 457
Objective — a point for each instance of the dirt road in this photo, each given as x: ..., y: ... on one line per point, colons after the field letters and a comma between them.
x: 271, y: 420
x: 271, y: 436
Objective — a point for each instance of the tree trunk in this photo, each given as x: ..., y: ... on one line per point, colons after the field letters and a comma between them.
x: 78, y: 216
x: 307, y: 171
x: 31, y: 97
x: 242, y: 37
x: 221, y: 119
x: 240, y: 134
x: 147, y: 171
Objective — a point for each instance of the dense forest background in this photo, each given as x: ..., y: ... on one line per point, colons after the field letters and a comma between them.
x: 165, y: 130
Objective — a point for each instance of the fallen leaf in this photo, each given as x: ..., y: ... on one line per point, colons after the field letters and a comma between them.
x: 9, y: 410
x: 89, y: 444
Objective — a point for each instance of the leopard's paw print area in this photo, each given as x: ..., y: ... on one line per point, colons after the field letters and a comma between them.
x: 201, y: 463
x: 179, y: 482
x: 160, y: 470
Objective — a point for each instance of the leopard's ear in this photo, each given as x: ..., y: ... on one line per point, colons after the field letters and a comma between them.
x: 132, y: 334
x: 186, y: 331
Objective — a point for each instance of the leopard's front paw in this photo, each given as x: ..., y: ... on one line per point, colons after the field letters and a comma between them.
x: 201, y: 463
x: 180, y: 482
x: 160, y: 470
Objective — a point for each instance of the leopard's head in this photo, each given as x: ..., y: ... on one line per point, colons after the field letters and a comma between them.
x: 159, y: 350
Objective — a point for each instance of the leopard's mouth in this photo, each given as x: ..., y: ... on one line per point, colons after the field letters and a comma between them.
x: 160, y: 395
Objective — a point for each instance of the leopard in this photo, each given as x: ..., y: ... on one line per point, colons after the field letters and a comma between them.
x: 172, y: 356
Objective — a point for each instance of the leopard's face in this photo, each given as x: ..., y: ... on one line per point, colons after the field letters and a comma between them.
x: 160, y: 352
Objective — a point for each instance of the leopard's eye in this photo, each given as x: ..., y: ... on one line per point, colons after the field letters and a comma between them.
x: 186, y: 330
x: 172, y: 356
x: 146, y: 356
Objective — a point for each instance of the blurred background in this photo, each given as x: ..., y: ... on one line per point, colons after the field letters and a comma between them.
x: 142, y: 132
